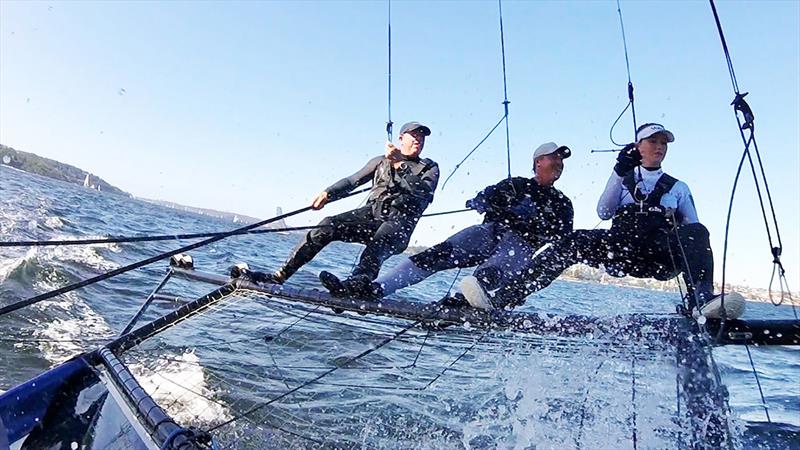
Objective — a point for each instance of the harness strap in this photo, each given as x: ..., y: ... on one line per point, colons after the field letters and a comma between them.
x: 663, y: 185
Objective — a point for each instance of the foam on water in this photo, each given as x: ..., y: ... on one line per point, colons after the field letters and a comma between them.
x: 72, y: 327
x: 82, y: 254
x: 184, y: 406
x: 9, y: 265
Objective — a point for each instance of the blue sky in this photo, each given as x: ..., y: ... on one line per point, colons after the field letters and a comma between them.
x: 251, y: 105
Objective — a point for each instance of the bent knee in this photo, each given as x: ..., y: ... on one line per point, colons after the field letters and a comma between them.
x: 323, y: 234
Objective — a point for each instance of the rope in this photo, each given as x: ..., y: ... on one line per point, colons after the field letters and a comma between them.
x: 473, y: 150
x: 630, y: 104
x: 627, y: 67
x: 758, y: 382
x: 453, y: 283
x: 505, y: 108
x: 389, y: 123
x: 153, y: 238
x: 89, y: 281
x: 633, y: 398
x: 505, y: 86
x: 740, y: 105
x: 173, y: 237
x: 678, y: 400
x: 589, y: 382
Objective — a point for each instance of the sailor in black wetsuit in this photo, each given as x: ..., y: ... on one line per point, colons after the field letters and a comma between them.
x: 402, y: 187
x: 654, y: 233
x: 521, y: 215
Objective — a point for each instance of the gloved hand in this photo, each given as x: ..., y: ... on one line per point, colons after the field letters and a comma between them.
x: 478, y: 203
x: 628, y: 158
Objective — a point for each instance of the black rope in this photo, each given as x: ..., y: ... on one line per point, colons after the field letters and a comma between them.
x: 89, y: 281
x: 473, y: 150
x: 175, y: 237
x: 746, y: 122
x: 583, y: 404
x: 628, y: 68
x: 631, y: 103
x: 678, y: 400
x: 152, y: 238
x: 505, y: 85
x: 389, y: 123
x: 758, y: 382
x: 633, y: 398
x: 684, y: 298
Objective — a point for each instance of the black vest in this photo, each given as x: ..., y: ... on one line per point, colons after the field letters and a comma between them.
x: 645, y: 216
x: 386, y: 187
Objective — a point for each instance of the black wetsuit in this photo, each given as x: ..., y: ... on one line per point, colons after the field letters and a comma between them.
x: 537, y: 214
x: 397, y: 200
x: 642, y: 243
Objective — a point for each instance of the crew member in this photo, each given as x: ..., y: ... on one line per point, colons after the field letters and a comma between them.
x: 403, y: 185
x: 655, y: 233
x: 520, y: 215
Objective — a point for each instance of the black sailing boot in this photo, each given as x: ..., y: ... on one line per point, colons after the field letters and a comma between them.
x: 456, y: 300
x: 244, y: 272
x: 362, y: 287
x: 333, y: 284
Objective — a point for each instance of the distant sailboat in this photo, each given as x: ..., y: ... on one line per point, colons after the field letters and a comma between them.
x: 86, y: 182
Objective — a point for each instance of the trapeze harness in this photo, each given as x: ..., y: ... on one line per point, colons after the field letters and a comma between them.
x: 646, y: 216
x: 400, y: 188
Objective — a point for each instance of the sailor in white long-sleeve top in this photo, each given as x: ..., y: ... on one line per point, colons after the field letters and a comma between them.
x: 655, y: 233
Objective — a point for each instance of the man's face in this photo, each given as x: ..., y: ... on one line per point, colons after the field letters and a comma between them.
x: 411, y: 143
x: 548, y: 168
x: 653, y: 150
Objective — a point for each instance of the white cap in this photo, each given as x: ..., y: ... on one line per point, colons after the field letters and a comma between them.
x: 551, y: 147
x: 651, y: 129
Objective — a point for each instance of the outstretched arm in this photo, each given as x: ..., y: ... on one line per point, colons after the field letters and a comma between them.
x: 347, y: 184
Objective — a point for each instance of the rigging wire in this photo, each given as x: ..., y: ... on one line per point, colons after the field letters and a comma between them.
x: 505, y: 109
x: 634, y: 431
x: 389, y: 123
x: 505, y: 85
x: 455, y: 169
x: 589, y: 381
x: 177, y: 237
x: 628, y: 68
x: 631, y: 103
x: 89, y: 281
x: 746, y: 122
x: 758, y: 382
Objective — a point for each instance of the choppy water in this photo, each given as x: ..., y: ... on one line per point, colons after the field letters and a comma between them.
x: 42, y: 335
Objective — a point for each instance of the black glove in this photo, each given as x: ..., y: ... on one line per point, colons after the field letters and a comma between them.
x: 479, y: 204
x: 628, y: 158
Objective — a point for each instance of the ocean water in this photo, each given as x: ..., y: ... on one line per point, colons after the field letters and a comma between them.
x: 496, y: 396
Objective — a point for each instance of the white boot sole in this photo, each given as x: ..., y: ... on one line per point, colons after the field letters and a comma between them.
x: 474, y: 293
x: 734, y: 306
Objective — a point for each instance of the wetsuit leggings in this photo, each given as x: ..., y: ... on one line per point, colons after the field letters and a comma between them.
x: 658, y: 256
x: 485, y: 245
x: 383, y: 238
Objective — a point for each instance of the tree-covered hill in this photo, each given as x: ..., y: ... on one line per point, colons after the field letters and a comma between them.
x: 32, y: 163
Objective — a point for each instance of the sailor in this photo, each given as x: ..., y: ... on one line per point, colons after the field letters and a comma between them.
x: 520, y: 215
x: 402, y: 187
x: 655, y: 233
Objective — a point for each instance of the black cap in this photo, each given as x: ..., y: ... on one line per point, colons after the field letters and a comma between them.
x: 411, y: 126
